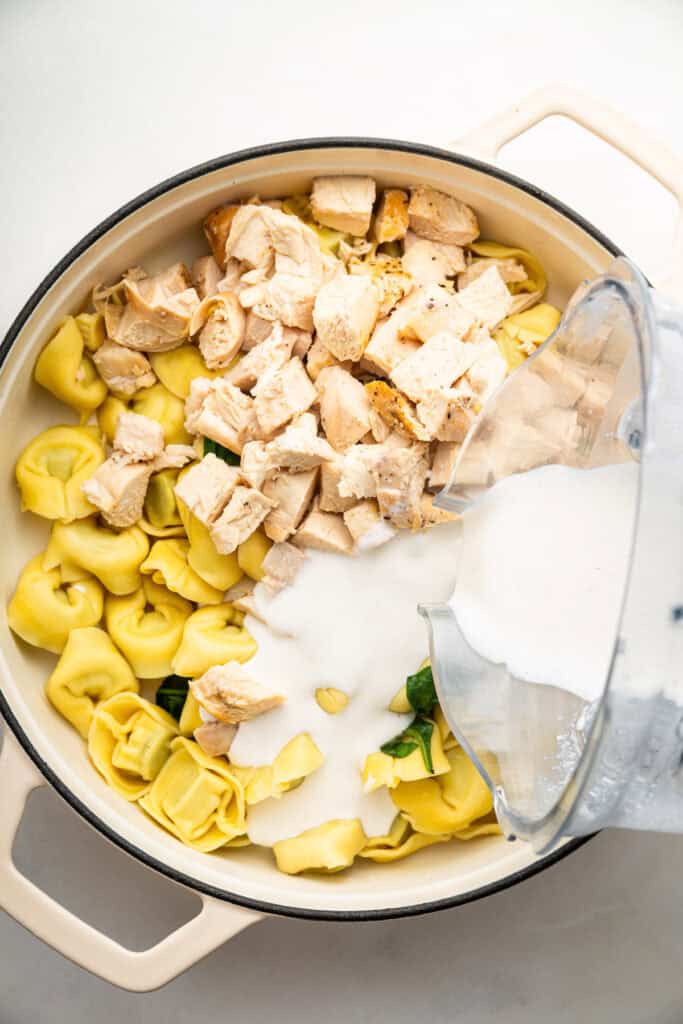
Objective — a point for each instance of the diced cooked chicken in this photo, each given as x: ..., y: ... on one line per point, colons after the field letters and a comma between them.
x: 389, y: 276
x: 488, y: 370
x: 435, y: 366
x: 220, y: 322
x: 248, y: 238
x: 344, y: 202
x: 205, y: 276
x: 324, y: 531
x: 292, y: 494
x: 217, y: 228
x: 356, y: 479
x: 303, y: 340
x: 138, y: 437
x: 391, y: 220
x: 399, y: 479
x: 281, y: 565
x: 118, y: 489
x: 244, y: 513
x: 231, y: 695
x: 267, y: 356
x: 379, y: 428
x: 264, y: 237
x: 215, y: 738
x: 243, y: 588
x: 330, y: 499
x: 284, y: 297
x: 156, y: 317
x: 395, y: 409
x: 319, y: 358
x: 437, y: 310
x: 174, y: 456
x: 430, y: 514
x: 510, y: 270
x: 282, y: 395
x: 442, y: 465
x: 207, y: 487
x: 440, y: 217
x: 366, y: 525
x: 431, y: 262
x: 487, y: 298
x: 344, y: 407
x: 345, y: 314
x: 122, y: 369
x: 298, y: 448
x: 255, y: 463
x: 256, y: 330
x: 386, y: 348
x: 447, y: 415
x: 218, y: 410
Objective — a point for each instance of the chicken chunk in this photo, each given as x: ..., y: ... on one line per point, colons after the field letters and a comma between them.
x: 282, y: 395
x: 324, y: 531
x: 488, y: 370
x: 256, y: 330
x: 395, y: 409
x: 244, y: 513
x: 205, y: 276
x: 118, y: 489
x: 391, y: 220
x: 487, y: 298
x: 438, y: 363
x: 437, y: 310
x: 345, y: 314
x: 267, y: 356
x: 510, y: 269
x: 442, y: 464
x: 266, y: 238
x: 154, y: 319
x: 330, y: 498
x: 344, y: 202
x: 319, y: 358
x: 207, y: 487
x: 399, y: 478
x: 303, y: 340
x: 344, y: 407
x: 138, y: 437
x: 281, y: 566
x: 447, y: 415
x: 298, y: 448
x: 217, y: 228
x: 386, y: 348
x: 431, y: 515
x: 220, y: 323
x: 440, y: 217
x: 291, y: 494
x: 174, y: 456
x: 288, y: 298
x: 231, y: 695
x: 248, y: 238
x: 366, y: 525
x: 356, y: 465
x: 432, y: 262
x: 215, y: 738
x: 255, y: 463
x: 218, y: 410
x: 122, y: 369
x: 388, y: 275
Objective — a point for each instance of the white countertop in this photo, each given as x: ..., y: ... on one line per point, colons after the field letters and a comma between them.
x: 104, y: 101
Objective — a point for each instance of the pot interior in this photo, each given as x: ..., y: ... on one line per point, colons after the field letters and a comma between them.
x: 160, y: 229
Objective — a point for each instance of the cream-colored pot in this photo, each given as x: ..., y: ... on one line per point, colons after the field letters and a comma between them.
x: 238, y: 887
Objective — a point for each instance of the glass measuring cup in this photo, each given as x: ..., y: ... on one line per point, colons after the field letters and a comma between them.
x: 606, y: 388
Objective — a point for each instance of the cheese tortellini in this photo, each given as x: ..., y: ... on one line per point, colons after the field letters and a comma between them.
x: 197, y: 798
x: 167, y: 563
x: 328, y: 848
x: 52, y: 468
x: 251, y: 552
x: 177, y: 369
x: 219, y: 571
x: 115, y: 557
x: 129, y: 742
x: 162, y: 518
x: 45, y: 608
x: 399, y: 843
x: 157, y: 403
x: 382, y: 770
x: 89, y: 670
x: 68, y: 372
x: 213, y: 636
x: 447, y: 804
x: 299, y: 758
x: 147, y: 627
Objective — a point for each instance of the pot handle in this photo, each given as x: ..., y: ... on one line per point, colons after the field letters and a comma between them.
x: 30, y: 906
x: 651, y: 155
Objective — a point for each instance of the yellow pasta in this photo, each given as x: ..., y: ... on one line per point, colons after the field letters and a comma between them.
x: 167, y: 563
x: 190, y: 718
x: 331, y: 700
x: 536, y: 279
x: 212, y: 636
x: 383, y: 770
x: 129, y: 741
x: 251, y: 552
x: 157, y: 403
x: 197, y: 798
x: 448, y: 804
x: 400, y: 704
x: 518, y: 336
x: 161, y: 509
x: 114, y: 557
x: 44, y: 608
x: 91, y: 326
x: 147, y: 627
x: 52, y: 468
x: 89, y: 670
x: 328, y: 848
x: 64, y: 369
x: 299, y: 758
x: 400, y: 842
x: 178, y: 368
x: 219, y: 571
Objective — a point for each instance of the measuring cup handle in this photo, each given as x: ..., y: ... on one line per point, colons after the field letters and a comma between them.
x: 613, y: 127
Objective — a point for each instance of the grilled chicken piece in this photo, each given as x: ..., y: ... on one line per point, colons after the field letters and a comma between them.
x: 510, y: 269
x: 298, y: 447
x: 366, y: 525
x: 230, y: 694
x: 174, y: 456
x: 386, y: 348
x: 118, y: 490
x: 220, y: 322
x: 244, y: 513
x: 391, y: 220
x: 399, y: 478
x: 435, y: 366
x: 281, y: 396
x: 206, y: 275
x: 137, y: 437
x: 217, y: 228
x: 447, y: 415
x: 431, y: 262
x: 344, y: 202
x: 207, y: 487
x: 324, y: 531
x: 288, y: 298
x: 281, y: 566
x: 440, y: 217
x: 442, y: 464
x: 267, y: 356
x: 396, y: 411
x: 487, y: 298
x: 344, y: 407
x: 330, y: 498
x: 156, y: 316
x: 292, y: 494
x: 431, y: 515
x: 122, y: 369
x: 218, y: 410
x: 215, y: 738
x: 345, y: 314
x: 319, y: 358
x: 257, y: 330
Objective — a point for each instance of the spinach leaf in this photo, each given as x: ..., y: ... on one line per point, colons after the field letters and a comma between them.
x: 420, y: 691
x: 220, y: 452
x: 418, y: 734
x: 172, y: 694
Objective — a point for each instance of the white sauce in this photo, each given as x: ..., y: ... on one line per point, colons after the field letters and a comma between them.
x: 542, y: 570
x: 352, y: 624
